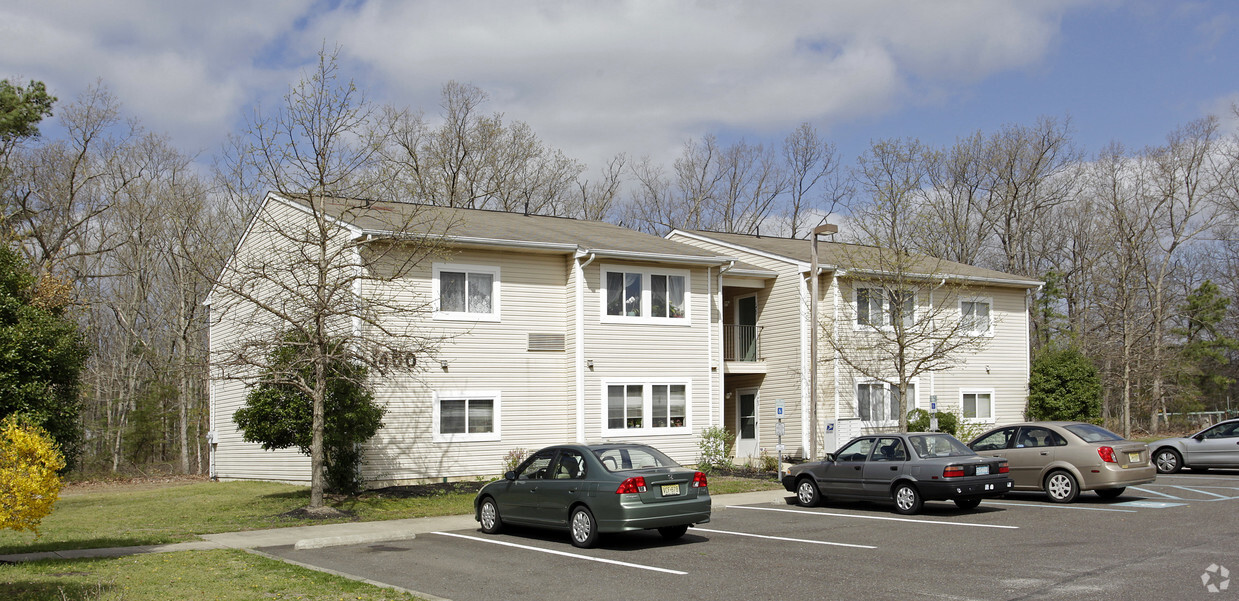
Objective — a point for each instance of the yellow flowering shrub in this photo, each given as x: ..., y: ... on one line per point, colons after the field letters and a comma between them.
x: 29, y: 478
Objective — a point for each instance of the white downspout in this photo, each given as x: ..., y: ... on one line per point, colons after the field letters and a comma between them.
x: 580, y: 345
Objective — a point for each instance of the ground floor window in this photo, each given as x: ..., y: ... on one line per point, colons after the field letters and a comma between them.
x: 646, y: 407
x: 875, y: 401
x: 977, y: 404
x: 466, y: 416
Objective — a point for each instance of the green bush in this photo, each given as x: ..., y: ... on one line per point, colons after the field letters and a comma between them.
x: 715, y: 446
x: 513, y: 459
x: 918, y: 421
x: 1064, y: 385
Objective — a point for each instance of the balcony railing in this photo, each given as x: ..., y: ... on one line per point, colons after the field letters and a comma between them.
x: 742, y: 343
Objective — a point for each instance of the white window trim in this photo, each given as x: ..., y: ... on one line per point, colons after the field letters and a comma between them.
x: 885, y: 327
x: 888, y: 387
x: 465, y: 315
x: 447, y: 395
x: 989, y: 333
x: 647, y: 408
x: 993, y: 403
x: 646, y: 296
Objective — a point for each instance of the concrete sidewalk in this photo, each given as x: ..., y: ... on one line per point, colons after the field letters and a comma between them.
x: 328, y: 535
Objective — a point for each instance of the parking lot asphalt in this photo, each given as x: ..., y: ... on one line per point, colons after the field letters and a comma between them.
x: 1173, y: 539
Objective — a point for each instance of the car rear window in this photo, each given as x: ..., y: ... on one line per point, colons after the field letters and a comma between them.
x: 1091, y: 433
x: 939, y: 445
x: 620, y: 459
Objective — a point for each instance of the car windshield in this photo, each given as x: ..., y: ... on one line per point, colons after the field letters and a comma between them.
x: 620, y: 459
x: 1091, y: 433
x: 938, y: 445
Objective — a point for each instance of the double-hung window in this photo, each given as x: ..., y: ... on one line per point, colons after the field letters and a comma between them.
x: 466, y: 416
x: 875, y: 401
x: 880, y: 308
x: 466, y: 292
x: 632, y: 294
x: 975, y: 317
x: 646, y: 408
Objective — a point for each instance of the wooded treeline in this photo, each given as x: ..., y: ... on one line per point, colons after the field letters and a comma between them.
x: 1138, y: 247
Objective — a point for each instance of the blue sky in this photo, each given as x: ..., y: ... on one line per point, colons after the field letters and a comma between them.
x: 596, y: 78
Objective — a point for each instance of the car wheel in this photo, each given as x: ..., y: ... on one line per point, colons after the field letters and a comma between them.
x: 489, y: 514
x: 967, y: 503
x: 807, y: 494
x: 1111, y: 493
x: 1168, y: 461
x: 673, y: 532
x: 584, y: 528
x: 907, y: 499
x: 1062, y: 487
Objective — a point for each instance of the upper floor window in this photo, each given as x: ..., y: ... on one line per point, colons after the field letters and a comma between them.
x: 975, y: 317
x: 467, y: 292
x: 642, y: 294
x: 881, y: 308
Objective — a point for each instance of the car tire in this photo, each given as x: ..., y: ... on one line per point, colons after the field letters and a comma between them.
x: 1168, y: 461
x: 1062, y: 486
x: 673, y: 532
x: 907, y: 499
x: 967, y: 503
x: 488, y: 515
x: 583, y: 528
x: 1110, y: 493
x: 807, y: 493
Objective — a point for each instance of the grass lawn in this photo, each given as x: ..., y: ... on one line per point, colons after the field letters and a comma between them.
x: 121, y: 516
x: 117, y: 516
x: 224, y: 575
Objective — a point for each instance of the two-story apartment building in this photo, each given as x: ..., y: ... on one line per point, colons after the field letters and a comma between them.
x: 555, y: 330
x: 552, y: 330
x: 767, y: 324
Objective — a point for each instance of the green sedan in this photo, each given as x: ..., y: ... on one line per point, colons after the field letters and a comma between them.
x: 593, y: 489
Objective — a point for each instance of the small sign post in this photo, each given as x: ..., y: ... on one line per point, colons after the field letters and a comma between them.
x: 933, y: 413
x: 778, y: 431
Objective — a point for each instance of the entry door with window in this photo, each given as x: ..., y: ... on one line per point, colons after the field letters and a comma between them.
x: 746, y: 423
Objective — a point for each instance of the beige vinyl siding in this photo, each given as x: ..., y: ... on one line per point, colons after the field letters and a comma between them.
x: 634, y: 352
x: 233, y: 318
x: 781, y: 312
x: 536, y: 404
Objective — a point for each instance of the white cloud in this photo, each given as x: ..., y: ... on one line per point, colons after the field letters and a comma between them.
x: 593, y: 78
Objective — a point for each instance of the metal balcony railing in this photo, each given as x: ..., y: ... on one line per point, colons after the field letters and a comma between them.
x: 742, y: 343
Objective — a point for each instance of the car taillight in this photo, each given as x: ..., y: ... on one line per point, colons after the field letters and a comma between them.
x: 636, y: 484
x: 1003, y: 468
x: 699, y: 480
x: 1107, y: 454
x: 953, y: 471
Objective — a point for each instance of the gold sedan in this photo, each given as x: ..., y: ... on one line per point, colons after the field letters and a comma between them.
x: 1064, y: 458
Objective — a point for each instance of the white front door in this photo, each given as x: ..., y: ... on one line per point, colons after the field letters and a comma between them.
x: 746, y: 424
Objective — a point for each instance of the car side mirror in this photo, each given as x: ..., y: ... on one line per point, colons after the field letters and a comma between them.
x: 509, y: 476
x: 830, y: 456
x: 1199, y: 437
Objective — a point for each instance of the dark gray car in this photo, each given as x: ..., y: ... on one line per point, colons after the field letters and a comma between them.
x: 906, y: 468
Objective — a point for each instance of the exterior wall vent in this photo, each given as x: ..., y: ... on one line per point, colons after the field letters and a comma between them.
x: 546, y: 342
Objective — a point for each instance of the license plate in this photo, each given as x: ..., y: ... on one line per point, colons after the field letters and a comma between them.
x: 982, y: 470
x: 671, y: 490
x: 1133, y: 457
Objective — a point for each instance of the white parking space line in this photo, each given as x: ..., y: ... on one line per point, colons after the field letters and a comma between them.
x: 564, y: 554
x: 1060, y: 507
x: 876, y: 517
x: 1203, y: 492
x: 1154, y: 492
x: 784, y: 538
